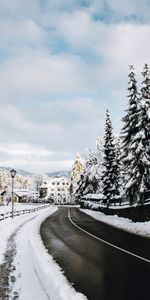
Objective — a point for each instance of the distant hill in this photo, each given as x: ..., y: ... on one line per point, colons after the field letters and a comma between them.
x: 60, y: 173
x: 26, y: 173
x: 19, y: 171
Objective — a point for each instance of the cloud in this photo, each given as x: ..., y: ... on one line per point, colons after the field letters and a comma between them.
x: 110, y: 10
x: 134, y: 8
x: 26, y: 31
x: 60, y: 124
x: 40, y: 72
x: 44, y: 166
x: 19, y: 9
x: 106, y: 40
x: 62, y: 63
x: 28, y: 157
x: 23, y: 149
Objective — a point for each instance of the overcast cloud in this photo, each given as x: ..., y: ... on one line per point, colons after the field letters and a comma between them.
x: 62, y: 63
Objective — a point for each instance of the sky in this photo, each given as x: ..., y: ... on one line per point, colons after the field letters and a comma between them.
x: 62, y: 64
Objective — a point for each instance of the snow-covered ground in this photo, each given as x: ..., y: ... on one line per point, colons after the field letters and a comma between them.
x: 17, y: 207
x: 32, y: 272
x: 94, y: 205
x: 142, y: 229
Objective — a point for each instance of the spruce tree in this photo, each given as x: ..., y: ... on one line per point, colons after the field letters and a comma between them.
x: 117, y: 169
x: 89, y: 179
x: 108, y: 186
x: 92, y: 168
x: 77, y: 169
x: 141, y: 143
x: 80, y: 185
x: 128, y: 133
x: 145, y: 105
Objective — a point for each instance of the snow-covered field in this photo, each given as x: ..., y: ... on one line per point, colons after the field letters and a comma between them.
x: 32, y: 272
x: 17, y: 206
x: 6, y: 210
x: 142, y: 229
x: 94, y: 205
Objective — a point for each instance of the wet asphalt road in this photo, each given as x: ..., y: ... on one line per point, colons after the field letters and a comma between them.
x: 96, y: 269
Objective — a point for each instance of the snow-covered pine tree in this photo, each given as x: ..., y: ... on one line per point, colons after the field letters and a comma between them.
x: 145, y: 105
x: 117, y: 169
x: 77, y: 170
x: 108, y: 186
x: 128, y: 133
x: 90, y: 178
x: 81, y: 186
x: 141, y: 143
x: 91, y: 167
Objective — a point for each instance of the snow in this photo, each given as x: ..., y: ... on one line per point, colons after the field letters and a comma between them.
x: 37, y: 276
x: 8, y: 226
x: 96, y: 205
x: 93, y: 196
x: 142, y: 229
x: 17, y: 207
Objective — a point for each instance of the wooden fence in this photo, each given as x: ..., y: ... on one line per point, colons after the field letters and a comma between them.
x: 8, y: 214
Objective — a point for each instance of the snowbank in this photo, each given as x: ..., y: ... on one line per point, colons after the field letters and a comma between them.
x: 96, y: 205
x: 19, y: 207
x: 93, y: 196
x: 139, y: 228
x: 8, y: 226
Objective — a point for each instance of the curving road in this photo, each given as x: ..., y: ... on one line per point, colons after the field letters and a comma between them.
x: 101, y: 262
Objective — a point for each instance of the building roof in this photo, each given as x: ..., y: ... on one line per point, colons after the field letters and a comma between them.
x: 55, y: 179
x: 24, y: 192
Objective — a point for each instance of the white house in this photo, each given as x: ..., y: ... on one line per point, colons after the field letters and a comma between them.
x: 26, y: 195
x: 57, y: 189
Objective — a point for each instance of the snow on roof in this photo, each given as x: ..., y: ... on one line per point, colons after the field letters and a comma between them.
x: 93, y: 196
x: 44, y: 185
x: 59, y: 178
x: 55, y: 179
x: 24, y: 192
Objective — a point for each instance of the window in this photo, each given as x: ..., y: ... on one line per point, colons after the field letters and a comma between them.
x: 53, y: 182
x: 57, y: 183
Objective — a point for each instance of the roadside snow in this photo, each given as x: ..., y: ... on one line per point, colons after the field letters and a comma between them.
x: 93, y: 196
x: 8, y: 226
x: 17, y: 207
x: 138, y: 228
x: 95, y: 205
x: 36, y: 275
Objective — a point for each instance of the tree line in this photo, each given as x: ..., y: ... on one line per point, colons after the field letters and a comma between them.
x: 121, y: 169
